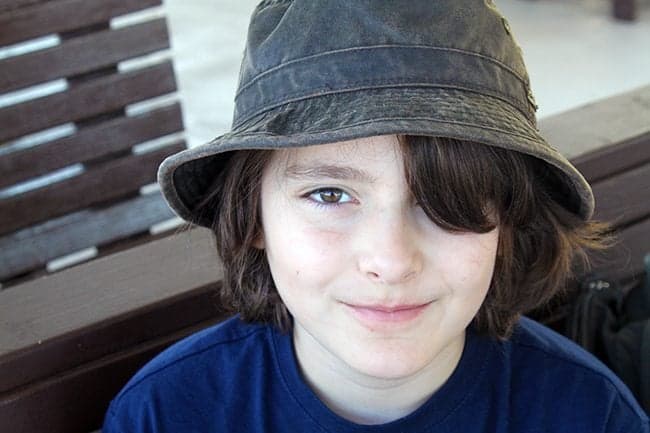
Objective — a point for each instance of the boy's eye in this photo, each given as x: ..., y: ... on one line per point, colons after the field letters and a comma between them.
x: 329, y: 196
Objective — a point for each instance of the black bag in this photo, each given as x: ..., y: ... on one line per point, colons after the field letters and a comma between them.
x: 614, y: 325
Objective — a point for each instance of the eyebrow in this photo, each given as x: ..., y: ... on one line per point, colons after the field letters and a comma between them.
x: 338, y: 172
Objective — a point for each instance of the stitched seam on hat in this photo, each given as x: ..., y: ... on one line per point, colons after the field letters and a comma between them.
x: 285, y: 99
x: 363, y: 85
x: 433, y: 119
x: 370, y: 47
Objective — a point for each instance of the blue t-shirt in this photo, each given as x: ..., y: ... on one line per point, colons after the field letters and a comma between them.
x: 237, y: 377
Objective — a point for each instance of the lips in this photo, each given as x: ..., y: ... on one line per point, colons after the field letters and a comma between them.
x: 378, y: 313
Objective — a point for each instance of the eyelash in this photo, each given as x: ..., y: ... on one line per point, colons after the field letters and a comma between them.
x: 327, y: 205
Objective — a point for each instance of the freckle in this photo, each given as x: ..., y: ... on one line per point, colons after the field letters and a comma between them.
x: 297, y: 273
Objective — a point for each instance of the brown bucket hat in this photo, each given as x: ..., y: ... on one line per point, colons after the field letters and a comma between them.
x: 325, y: 71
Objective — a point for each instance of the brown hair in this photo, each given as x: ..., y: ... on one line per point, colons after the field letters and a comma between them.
x: 540, y: 241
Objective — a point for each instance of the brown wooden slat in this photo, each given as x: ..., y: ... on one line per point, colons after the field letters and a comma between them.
x: 76, y: 401
x: 106, y: 182
x: 613, y: 159
x: 83, y: 54
x: 102, y: 251
x: 599, y: 124
x: 89, y: 143
x: 33, y: 247
x: 7, y: 5
x: 87, y: 100
x: 64, y: 15
x: 624, y: 198
x: 137, y: 240
x: 49, y: 308
x: 98, y: 340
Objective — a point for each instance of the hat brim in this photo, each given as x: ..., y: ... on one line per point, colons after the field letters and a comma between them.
x: 185, y: 177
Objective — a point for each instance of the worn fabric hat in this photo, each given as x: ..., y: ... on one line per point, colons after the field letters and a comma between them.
x: 333, y: 70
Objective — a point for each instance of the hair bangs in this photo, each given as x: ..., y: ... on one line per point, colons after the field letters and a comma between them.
x: 465, y: 186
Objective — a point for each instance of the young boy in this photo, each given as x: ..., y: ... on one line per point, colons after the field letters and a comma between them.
x: 385, y: 210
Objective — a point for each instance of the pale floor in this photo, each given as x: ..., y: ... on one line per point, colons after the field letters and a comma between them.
x: 575, y: 52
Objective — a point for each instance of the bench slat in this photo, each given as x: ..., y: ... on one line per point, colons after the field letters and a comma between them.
x: 106, y: 182
x: 107, y: 288
x: 89, y: 143
x: 624, y: 198
x: 83, y: 54
x: 613, y: 159
x: 21, y: 21
x: 7, y: 5
x: 76, y: 401
x: 33, y: 247
x: 599, y: 124
x: 86, y: 100
x: 83, y: 345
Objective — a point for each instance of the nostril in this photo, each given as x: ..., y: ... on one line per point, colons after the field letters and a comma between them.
x: 373, y: 275
x: 390, y: 277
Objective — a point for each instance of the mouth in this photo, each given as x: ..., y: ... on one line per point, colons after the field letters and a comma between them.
x: 387, y: 314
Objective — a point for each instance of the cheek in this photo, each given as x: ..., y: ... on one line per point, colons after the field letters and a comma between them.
x: 305, y: 260
x: 467, y: 276
x: 471, y: 264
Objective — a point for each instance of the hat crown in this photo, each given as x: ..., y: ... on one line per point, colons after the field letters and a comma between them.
x: 300, y: 48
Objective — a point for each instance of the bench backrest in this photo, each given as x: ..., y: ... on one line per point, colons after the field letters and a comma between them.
x: 78, y: 139
x: 609, y: 142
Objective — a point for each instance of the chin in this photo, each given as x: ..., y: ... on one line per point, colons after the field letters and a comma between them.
x: 393, y: 364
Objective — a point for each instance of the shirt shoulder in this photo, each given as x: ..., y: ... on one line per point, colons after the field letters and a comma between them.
x: 531, y: 335
x: 566, y: 370
x: 179, y: 388
x: 221, y: 338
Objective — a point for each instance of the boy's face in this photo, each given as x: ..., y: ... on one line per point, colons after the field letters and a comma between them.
x: 370, y: 281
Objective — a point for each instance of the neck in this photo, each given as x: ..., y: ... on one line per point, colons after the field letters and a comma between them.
x: 365, y: 399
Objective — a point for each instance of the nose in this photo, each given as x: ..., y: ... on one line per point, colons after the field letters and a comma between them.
x: 389, y: 252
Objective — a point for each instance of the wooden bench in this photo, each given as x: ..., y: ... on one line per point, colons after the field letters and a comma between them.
x: 609, y: 142
x: 82, y: 129
x: 68, y: 342
x: 87, y: 113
